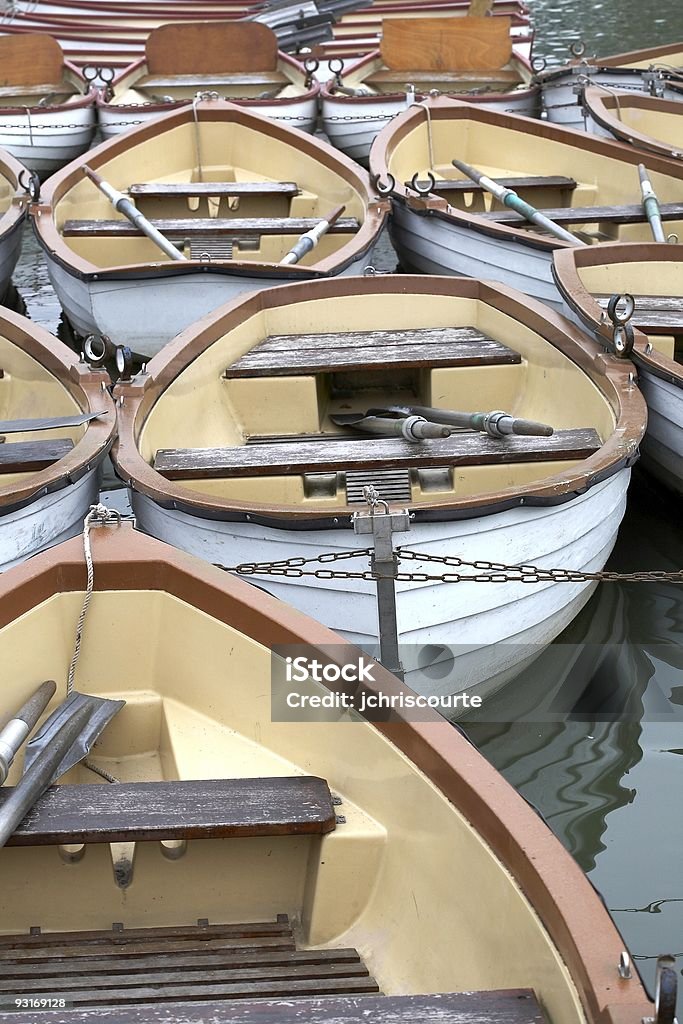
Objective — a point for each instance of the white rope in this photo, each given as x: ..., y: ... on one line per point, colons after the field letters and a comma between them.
x: 98, y: 515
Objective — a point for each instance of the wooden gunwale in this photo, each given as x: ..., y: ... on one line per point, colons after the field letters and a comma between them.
x: 86, y: 386
x: 610, y: 374
x: 567, y: 905
x: 443, y: 108
x: 566, y: 264
x: 602, y: 107
x: 215, y: 110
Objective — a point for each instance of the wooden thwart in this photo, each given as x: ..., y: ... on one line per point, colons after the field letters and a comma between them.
x: 366, y: 452
x: 658, y: 314
x: 217, y: 808
x: 446, y: 44
x: 208, y: 226
x: 284, y: 355
x: 31, y: 456
x: 510, y: 1006
x: 190, y: 189
x: 455, y: 79
x: 196, y: 81
x: 630, y: 214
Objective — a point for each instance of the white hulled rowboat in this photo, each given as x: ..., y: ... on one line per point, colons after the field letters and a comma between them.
x: 652, y: 274
x: 650, y: 124
x: 48, y: 477
x: 587, y: 184
x: 115, y: 283
x: 47, y: 114
x: 558, y: 513
x: 469, y: 58
x: 238, y: 60
x: 297, y: 813
x: 651, y: 72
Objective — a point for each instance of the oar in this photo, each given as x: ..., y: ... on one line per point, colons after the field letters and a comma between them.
x: 18, y: 426
x: 20, y: 725
x: 38, y: 777
x: 508, y: 197
x: 651, y: 205
x: 497, y: 423
x: 310, y: 239
x: 130, y: 211
x: 411, y: 428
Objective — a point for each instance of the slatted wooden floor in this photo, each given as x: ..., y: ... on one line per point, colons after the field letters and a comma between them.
x: 124, y: 967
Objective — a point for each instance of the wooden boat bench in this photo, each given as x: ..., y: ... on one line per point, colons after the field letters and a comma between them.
x: 630, y: 214
x: 194, y: 189
x: 32, y: 456
x: 211, y: 809
x: 188, y: 226
x: 209, y: 81
x: 504, y: 76
x: 656, y: 314
x: 363, y: 453
x: 282, y: 355
x: 551, y: 181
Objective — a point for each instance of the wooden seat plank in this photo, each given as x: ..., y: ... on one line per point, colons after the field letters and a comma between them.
x: 367, y: 452
x: 216, y: 79
x: 188, y: 809
x: 282, y: 355
x: 186, y: 226
x: 511, y: 1006
x: 555, y: 181
x: 658, y: 314
x: 629, y: 214
x: 147, y: 947
x: 32, y: 456
x: 122, y: 937
x: 502, y: 76
x: 190, y: 189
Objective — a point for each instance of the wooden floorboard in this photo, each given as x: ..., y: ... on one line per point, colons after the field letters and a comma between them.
x: 32, y: 456
x: 209, y: 226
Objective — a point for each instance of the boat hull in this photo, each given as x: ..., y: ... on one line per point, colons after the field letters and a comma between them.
x: 295, y: 113
x: 46, y: 141
x: 10, y: 249
x: 662, y: 446
x: 454, y: 637
x: 145, y: 313
x: 433, y: 245
x: 49, y: 520
x: 562, y: 105
x: 351, y: 125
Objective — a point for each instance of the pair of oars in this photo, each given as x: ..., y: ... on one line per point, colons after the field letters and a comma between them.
x: 510, y: 198
x: 304, y: 244
x: 417, y: 423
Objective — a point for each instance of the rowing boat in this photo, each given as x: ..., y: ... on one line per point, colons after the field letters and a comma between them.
x: 204, y: 177
x: 653, y: 71
x: 222, y: 850
x: 652, y: 275
x: 238, y: 60
x: 47, y: 113
x: 238, y: 445
x: 444, y: 222
x: 469, y: 58
x: 13, y: 211
x: 648, y: 123
x: 57, y: 424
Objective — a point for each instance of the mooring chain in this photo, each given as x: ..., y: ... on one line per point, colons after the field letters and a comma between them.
x: 99, y: 515
x: 489, y: 572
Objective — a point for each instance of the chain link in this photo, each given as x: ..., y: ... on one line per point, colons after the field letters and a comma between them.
x: 487, y: 572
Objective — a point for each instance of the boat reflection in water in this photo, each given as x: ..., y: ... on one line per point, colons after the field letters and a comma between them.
x: 593, y: 736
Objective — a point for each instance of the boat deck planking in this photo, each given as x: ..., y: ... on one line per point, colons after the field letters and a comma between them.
x: 183, y: 189
x: 286, y: 355
x: 203, y: 81
x: 363, y: 453
x: 208, y: 226
x: 632, y: 213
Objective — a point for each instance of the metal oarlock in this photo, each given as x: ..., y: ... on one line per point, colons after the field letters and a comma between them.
x: 622, y: 329
x: 384, y: 565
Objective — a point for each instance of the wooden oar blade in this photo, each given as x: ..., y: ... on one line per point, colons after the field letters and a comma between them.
x: 48, y: 423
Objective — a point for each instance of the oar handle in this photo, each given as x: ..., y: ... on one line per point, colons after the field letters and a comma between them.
x: 497, y: 423
x: 308, y: 241
x: 20, y: 725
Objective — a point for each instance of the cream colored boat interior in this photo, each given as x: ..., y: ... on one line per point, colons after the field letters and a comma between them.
x: 663, y: 126
x: 375, y: 79
x: 29, y: 391
x: 140, y: 86
x: 203, y: 409
x: 642, y: 280
x: 504, y: 152
x: 666, y: 61
x: 403, y: 873
x: 228, y: 152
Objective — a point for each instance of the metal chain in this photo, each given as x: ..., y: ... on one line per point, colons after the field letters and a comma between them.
x: 494, y: 572
x: 98, y: 515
